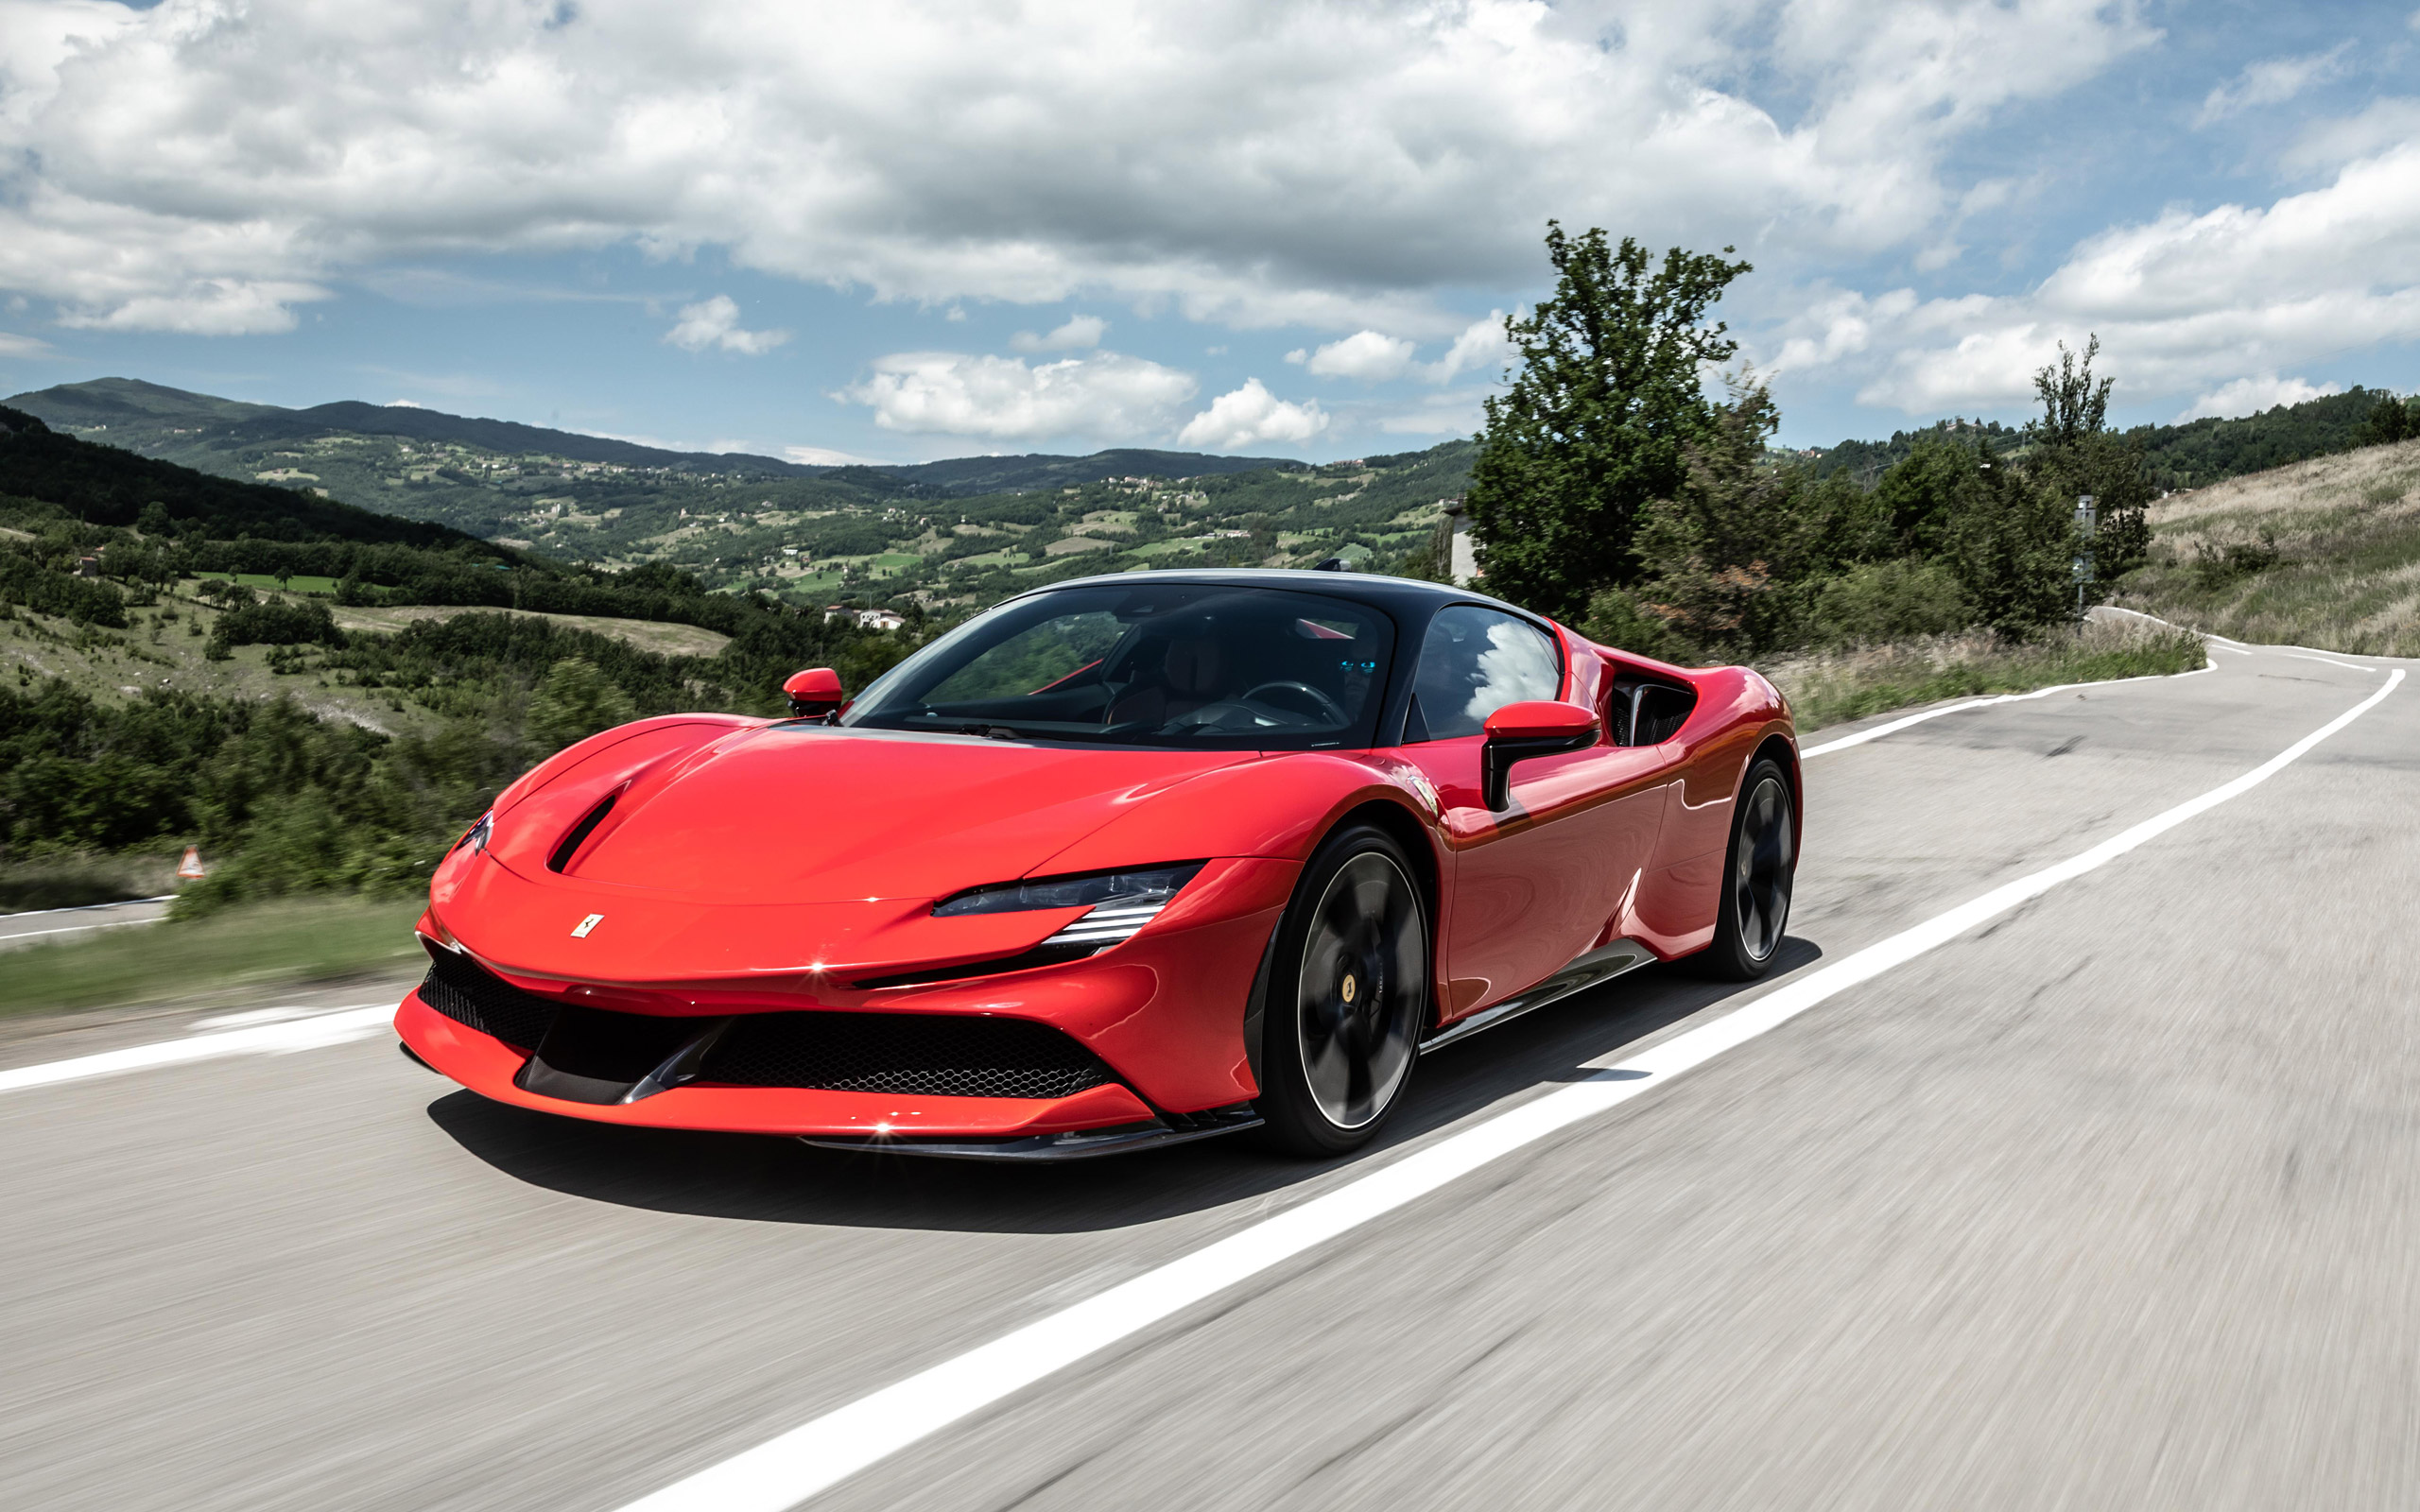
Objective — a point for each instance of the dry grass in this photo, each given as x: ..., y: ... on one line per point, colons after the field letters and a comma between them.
x: 2346, y: 534
x: 647, y: 635
x: 1830, y: 687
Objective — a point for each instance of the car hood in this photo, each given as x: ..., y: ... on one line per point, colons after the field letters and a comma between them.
x: 796, y: 814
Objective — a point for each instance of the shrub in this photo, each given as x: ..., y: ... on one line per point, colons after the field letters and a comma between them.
x: 1887, y: 601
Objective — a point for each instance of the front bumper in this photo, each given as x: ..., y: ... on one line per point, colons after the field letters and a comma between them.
x: 1162, y: 1014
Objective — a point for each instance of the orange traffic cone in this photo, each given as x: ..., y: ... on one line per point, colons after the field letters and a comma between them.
x: 189, y: 870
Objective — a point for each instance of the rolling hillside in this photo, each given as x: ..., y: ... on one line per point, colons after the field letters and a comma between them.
x: 949, y: 531
x: 2323, y: 553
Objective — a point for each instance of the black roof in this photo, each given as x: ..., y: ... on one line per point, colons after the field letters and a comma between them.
x: 1401, y: 594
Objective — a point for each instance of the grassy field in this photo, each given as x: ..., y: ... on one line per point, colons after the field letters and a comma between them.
x: 647, y: 635
x: 161, y: 647
x: 298, y: 585
x: 272, y: 945
x: 1830, y: 688
x: 2325, y: 553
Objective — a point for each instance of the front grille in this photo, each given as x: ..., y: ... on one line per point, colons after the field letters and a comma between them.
x: 931, y: 1055
x: 458, y: 987
x: 916, y: 1055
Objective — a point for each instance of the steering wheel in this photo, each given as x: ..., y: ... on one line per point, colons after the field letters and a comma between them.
x: 1323, y: 704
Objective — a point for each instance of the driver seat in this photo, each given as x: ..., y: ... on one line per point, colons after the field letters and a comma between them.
x: 1192, y: 673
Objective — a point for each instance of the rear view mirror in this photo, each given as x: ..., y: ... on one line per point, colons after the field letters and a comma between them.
x: 1538, y: 727
x: 814, y: 693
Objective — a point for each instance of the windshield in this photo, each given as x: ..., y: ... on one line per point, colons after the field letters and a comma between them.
x: 1174, y: 664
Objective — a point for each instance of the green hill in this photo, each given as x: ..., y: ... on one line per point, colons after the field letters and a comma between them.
x: 106, y: 486
x: 2190, y: 455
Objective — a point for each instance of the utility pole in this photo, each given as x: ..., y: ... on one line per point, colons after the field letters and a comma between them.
x: 2087, y: 519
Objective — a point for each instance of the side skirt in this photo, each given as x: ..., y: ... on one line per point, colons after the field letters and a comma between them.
x: 1599, y: 965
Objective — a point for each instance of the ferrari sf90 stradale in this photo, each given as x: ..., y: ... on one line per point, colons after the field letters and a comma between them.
x: 1121, y: 862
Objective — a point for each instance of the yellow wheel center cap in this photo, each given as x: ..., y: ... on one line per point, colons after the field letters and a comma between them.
x: 1351, y: 986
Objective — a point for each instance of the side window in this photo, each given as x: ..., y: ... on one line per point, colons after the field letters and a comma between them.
x: 1474, y: 662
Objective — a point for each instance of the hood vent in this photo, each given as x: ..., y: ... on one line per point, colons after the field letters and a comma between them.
x: 581, y: 831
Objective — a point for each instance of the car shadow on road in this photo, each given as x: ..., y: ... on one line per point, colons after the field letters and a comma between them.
x: 766, y: 1179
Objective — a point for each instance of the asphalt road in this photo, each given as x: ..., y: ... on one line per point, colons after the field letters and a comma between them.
x: 54, y: 925
x: 2109, y: 1202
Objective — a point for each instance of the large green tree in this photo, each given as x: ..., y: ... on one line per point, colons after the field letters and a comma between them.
x: 1607, y: 400
x: 2076, y: 454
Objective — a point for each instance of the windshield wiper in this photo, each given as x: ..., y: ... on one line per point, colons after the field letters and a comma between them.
x: 988, y: 731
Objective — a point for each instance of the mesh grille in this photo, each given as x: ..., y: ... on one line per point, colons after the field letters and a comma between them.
x: 926, y: 1054
x: 929, y: 1055
x: 465, y: 993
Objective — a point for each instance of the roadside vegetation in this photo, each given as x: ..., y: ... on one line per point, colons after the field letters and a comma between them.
x: 295, y: 943
x: 1836, y: 686
x: 2323, y: 553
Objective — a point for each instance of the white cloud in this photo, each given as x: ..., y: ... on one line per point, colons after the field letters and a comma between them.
x: 1365, y: 354
x: 12, y: 345
x: 2378, y: 125
x: 1481, y: 346
x: 1080, y: 333
x: 715, y: 322
x: 204, y: 166
x: 2249, y: 396
x: 2270, y: 82
x: 406, y: 403
x: 1105, y: 396
x: 825, y: 456
x: 1252, y: 416
x: 1458, y: 414
x: 2184, y: 305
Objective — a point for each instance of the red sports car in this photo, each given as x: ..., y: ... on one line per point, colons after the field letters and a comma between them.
x: 1121, y: 862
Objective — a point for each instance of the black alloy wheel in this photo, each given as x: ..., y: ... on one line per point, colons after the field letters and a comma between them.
x: 1348, y: 996
x: 1757, y: 875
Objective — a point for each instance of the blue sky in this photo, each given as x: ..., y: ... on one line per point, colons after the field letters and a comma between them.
x: 921, y: 229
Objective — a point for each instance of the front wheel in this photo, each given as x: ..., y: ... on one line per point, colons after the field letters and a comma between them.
x: 1757, y: 875
x: 1348, y: 996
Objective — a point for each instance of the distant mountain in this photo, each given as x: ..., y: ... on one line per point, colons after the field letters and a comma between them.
x: 201, y: 429
x: 969, y: 475
x: 962, y: 530
x: 108, y: 486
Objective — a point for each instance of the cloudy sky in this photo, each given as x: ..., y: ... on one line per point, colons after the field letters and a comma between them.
x: 910, y: 230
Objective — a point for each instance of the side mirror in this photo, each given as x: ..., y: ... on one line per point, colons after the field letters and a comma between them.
x: 815, y: 691
x: 1517, y: 731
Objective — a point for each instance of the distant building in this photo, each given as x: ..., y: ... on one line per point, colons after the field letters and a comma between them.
x: 88, y: 566
x: 1463, y: 566
x: 880, y: 619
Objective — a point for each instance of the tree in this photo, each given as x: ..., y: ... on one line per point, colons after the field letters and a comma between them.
x: 2011, y: 540
x: 1598, y: 419
x: 2389, y: 419
x: 574, y: 702
x: 2075, y: 453
x: 1721, y: 550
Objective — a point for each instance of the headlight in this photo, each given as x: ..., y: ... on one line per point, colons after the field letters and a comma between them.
x: 1121, y: 902
x: 476, y: 835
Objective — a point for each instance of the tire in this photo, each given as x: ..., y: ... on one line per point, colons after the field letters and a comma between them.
x: 1758, y: 871
x: 1348, y: 997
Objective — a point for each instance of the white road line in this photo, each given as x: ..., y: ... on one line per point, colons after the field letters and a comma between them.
x: 2231, y: 650
x: 2333, y: 662
x: 75, y: 929
x: 335, y: 1027
x: 786, y: 1470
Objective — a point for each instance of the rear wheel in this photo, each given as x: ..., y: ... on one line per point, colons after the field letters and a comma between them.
x: 1348, y: 996
x: 1757, y: 875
